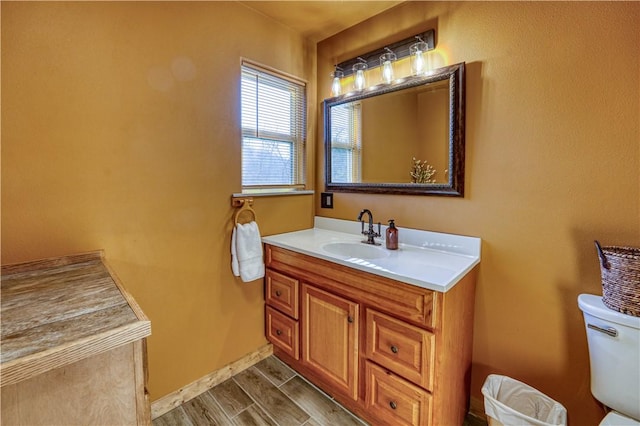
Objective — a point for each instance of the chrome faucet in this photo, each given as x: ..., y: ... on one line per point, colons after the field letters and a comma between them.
x: 370, y: 233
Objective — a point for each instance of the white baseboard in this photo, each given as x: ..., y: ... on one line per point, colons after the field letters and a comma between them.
x: 190, y: 391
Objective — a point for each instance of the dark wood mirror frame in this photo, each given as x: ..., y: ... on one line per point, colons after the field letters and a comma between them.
x: 455, y: 186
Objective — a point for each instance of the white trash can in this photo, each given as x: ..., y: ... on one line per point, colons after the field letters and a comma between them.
x: 508, y: 402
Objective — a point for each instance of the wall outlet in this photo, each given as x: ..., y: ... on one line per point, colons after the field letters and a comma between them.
x: 326, y: 200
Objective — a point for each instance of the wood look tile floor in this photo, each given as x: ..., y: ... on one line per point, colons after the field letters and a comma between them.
x: 268, y: 393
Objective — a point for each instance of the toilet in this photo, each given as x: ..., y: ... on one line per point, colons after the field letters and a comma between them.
x: 614, y: 353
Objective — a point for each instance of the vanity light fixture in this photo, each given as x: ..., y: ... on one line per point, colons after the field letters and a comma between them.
x: 336, y: 84
x: 360, y: 81
x: 418, y: 52
x: 386, y: 65
x: 400, y: 50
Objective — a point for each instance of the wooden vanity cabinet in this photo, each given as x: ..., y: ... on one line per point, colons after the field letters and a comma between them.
x: 392, y: 353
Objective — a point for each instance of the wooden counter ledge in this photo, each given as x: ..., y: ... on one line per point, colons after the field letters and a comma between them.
x: 62, y: 310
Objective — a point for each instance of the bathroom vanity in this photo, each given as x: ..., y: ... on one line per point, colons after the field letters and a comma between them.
x: 73, y: 345
x: 388, y: 335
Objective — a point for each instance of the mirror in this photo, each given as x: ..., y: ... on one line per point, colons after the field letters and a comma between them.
x: 406, y: 137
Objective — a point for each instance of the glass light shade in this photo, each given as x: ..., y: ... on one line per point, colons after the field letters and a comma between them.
x: 386, y: 66
x: 418, y: 52
x: 336, y: 85
x: 359, y: 81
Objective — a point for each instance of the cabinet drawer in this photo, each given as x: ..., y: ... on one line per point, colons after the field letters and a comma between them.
x: 403, y: 348
x: 281, y: 292
x: 283, y: 332
x: 395, y: 401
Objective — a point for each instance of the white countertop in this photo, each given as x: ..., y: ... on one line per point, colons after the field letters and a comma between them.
x: 425, y: 259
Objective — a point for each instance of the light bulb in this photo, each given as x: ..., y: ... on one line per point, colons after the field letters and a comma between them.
x: 418, y: 60
x: 336, y: 88
x: 387, y: 72
x: 418, y: 63
x: 360, y: 81
x: 386, y: 62
x: 336, y: 85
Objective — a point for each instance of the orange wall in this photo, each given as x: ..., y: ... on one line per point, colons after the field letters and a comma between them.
x: 553, y: 154
x: 120, y: 131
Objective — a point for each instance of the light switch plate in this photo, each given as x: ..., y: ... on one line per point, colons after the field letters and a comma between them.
x: 326, y: 200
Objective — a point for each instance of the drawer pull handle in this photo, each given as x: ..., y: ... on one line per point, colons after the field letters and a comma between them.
x: 278, y: 293
x: 278, y: 332
x: 393, y: 405
x: 350, y: 319
x: 394, y: 349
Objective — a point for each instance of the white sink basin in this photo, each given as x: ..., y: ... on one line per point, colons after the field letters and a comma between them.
x: 358, y: 250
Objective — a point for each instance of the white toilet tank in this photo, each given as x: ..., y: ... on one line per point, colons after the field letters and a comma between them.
x: 614, y: 352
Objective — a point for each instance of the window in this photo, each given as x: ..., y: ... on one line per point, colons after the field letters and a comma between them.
x: 346, y: 143
x: 274, y: 114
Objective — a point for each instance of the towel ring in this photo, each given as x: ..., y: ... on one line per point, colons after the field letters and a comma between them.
x: 245, y: 207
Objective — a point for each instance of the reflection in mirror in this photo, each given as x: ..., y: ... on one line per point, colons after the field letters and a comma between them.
x: 419, y: 134
x: 406, y: 137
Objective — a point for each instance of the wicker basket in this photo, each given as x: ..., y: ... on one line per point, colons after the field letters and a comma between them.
x: 620, y: 270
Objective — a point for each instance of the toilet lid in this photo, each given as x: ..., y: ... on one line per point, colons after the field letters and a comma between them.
x: 617, y: 419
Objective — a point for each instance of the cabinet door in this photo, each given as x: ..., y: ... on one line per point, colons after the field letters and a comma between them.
x: 330, y: 339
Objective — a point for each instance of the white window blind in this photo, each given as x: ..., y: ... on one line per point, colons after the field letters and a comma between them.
x: 346, y: 143
x: 273, y: 129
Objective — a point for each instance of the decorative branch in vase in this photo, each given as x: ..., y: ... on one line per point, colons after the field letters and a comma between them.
x: 422, y: 172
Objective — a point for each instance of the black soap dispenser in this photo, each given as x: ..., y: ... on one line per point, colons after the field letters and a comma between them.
x: 391, y: 239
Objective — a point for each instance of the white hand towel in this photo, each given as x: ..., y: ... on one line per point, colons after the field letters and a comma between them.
x: 248, y: 252
x: 234, y: 256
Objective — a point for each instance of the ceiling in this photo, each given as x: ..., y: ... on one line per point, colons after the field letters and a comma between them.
x: 317, y: 20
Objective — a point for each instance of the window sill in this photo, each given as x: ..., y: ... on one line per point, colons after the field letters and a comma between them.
x: 273, y: 193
